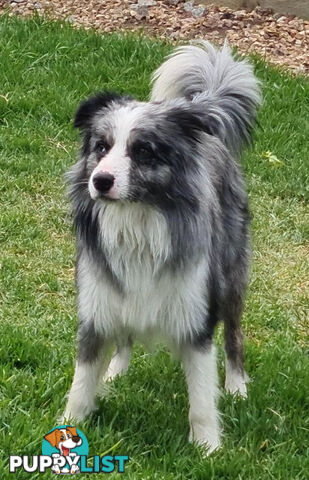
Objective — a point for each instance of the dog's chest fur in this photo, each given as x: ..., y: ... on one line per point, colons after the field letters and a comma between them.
x: 136, y: 242
x: 155, y: 300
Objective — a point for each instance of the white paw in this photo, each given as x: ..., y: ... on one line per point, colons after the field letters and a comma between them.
x: 118, y: 366
x: 206, y: 437
x: 76, y: 412
x: 235, y: 383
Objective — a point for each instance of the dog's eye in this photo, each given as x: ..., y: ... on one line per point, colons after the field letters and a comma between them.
x: 68, y: 435
x: 62, y: 437
x: 101, y: 148
x: 143, y: 153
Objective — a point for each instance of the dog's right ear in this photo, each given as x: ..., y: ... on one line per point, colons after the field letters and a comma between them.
x: 88, y: 108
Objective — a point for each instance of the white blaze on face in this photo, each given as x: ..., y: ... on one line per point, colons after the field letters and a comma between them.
x: 117, y: 162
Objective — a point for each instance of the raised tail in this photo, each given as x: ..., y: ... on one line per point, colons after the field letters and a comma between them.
x: 226, y: 87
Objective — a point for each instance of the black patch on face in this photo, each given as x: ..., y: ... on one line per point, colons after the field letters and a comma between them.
x: 163, y: 162
x: 145, y: 152
x: 151, y: 169
x: 171, y: 144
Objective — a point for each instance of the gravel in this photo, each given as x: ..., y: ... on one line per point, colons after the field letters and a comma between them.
x: 280, y: 39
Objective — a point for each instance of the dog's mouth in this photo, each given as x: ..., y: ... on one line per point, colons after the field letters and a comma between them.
x: 65, y: 451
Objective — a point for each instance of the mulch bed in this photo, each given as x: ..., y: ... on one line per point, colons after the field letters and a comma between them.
x: 281, y: 40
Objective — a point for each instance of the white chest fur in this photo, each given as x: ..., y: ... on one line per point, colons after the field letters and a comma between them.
x: 136, y: 241
x: 156, y: 302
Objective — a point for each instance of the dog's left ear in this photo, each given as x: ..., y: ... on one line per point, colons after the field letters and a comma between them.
x: 192, y: 119
x: 88, y: 108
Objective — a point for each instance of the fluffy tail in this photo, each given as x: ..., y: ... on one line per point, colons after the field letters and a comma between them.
x: 225, y: 87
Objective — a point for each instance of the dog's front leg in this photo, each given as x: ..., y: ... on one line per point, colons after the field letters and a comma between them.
x: 201, y: 373
x: 93, y: 354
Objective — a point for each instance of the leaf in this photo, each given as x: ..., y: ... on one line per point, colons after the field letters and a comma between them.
x: 273, y: 159
x: 264, y: 445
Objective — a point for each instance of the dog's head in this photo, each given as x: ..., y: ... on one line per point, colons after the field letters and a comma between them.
x: 138, y: 151
x: 64, y: 439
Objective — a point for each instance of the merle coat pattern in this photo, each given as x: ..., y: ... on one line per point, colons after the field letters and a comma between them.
x: 162, y: 226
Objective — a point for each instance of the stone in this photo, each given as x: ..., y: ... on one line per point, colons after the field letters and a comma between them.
x: 139, y: 11
x: 71, y: 19
x: 188, y: 6
x: 227, y: 16
x: 146, y: 3
x: 300, y: 35
x: 228, y: 23
x: 198, y: 12
x: 300, y: 69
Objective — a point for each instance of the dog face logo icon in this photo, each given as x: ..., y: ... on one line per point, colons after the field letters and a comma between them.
x: 65, y: 451
x: 64, y: 439
x: 65, y: 444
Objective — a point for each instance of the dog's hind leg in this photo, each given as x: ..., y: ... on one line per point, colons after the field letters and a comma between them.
x: 235, y: 377
x: 201, y: 373
x: 93, y: 355
x: 120, y: 361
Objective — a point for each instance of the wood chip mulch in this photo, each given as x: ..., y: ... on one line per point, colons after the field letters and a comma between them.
x: 280, y: 39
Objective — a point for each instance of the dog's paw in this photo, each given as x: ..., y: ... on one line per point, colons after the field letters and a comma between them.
x: 205, y: 437
x: 75, y: 413
x: 235, y: 384
x: 118, y: 366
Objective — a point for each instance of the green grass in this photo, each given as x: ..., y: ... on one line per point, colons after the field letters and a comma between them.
x: 46, y: 68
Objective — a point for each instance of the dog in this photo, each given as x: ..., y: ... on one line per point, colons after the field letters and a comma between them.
x: 162, y: 226
x: 64, y: 439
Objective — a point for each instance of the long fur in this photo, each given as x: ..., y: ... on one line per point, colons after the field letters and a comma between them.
x: 225, y: 87
x: 163, y: 251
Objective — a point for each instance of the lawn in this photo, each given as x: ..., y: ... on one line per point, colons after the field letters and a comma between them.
x: 45, y: 69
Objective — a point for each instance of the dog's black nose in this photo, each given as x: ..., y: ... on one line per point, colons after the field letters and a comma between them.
x: 103, y: 182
